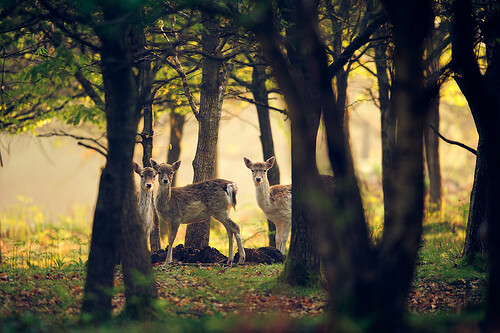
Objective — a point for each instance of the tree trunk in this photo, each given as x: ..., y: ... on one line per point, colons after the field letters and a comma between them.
x: 117, y: 232
x: 177, y: 121
x: 259, y: 91
x: 198, y: 234
x: 481, y: 92
x: 364, y: 284
x: 302, y: 265
x: 475, y: 247
x: 145, y: 83
x: 387, y: 121
x: 431, y: 139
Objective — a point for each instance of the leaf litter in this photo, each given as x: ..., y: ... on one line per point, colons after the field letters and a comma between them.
x: 206, y: 290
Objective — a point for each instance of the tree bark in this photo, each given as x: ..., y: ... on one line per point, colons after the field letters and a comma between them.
x: 145, y: 81
x: 198, y: 234
x: 177, y: 121
x: 481, y: 92
x: 387, y: 121
x: 117, y: 233
x: 431, y: 139
x: 302, y: 265
x: 259, y: 91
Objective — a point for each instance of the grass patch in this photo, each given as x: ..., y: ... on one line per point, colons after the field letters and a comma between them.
x: 43, y: 274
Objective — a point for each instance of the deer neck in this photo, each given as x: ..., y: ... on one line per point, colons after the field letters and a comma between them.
x: 164, y: 194
x: 145, y: 200
x: 262, y: 193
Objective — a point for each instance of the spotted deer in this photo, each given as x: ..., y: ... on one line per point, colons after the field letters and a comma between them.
x: 148, y: 176
x: 275, y: 201
x: 196, y: 203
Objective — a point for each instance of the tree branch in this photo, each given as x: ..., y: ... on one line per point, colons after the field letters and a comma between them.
x: 87, y: 86
x: 451, y: 142
x: 182, y: 74
x: 356, y: 44
x: 101, y: 149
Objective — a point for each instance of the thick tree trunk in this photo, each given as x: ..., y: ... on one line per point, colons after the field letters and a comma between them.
x: 409, y: 101
x: 302, y: 265
x: 475, y: 236
x: 259, y: 91
x: 117, y: 232
x: 481, y: 92
x: 198, y: 234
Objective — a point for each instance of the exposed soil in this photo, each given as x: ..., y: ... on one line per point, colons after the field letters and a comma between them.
x: 210, y: 255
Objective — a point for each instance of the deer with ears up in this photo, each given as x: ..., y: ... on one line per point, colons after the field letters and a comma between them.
x: 196, y: 203
x: 145, y: 196
x: 275, y: 201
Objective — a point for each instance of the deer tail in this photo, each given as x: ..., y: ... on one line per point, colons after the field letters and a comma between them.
x: 231, y: 190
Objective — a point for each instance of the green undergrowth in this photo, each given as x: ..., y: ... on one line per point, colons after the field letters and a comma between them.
x: 41, y: 284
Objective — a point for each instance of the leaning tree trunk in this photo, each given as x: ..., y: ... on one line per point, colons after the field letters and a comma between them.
x: 198, y: 234
x: 117, y: 233
x: 259, y: 91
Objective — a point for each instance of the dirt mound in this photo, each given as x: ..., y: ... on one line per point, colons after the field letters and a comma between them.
x: 189, y: 255
x: 263, y: 255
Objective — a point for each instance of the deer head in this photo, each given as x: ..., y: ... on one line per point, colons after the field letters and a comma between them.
x: 259, y: 169
x: 147, y: 174
x: 165, y: 171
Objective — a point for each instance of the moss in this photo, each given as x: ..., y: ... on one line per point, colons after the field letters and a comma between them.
x: 298, y: 274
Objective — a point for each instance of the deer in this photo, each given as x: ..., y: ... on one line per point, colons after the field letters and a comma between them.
x: 196, y: 203
x: 148, y: 176
x: 275, y: 201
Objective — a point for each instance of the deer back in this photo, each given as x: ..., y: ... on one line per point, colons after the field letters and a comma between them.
x: 199, y: 201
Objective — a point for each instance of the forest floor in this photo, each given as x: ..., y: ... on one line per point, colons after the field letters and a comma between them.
x: 190, y: 295
x: 445, y: 296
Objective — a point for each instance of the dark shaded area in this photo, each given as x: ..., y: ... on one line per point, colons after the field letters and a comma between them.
x: 210, y: 255
x: 263, y: 255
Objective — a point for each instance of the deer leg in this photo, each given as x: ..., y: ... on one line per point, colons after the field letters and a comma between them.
x: 287, y: 226
x: 230, y: 257
x: 172, y: 232
x: 280, y: 243
x: 235, y: 230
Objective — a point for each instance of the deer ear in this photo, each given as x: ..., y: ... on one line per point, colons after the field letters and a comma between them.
x: 248, y: 163
x: 137, y: 168
x: 176, y: 165
x: 154, y: 164
x: 270, y: 162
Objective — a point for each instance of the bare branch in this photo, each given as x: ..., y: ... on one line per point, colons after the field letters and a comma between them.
x: 102, y: 149
x: 93, y: 148
x: 451, y: 142
x: 182, y: 74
